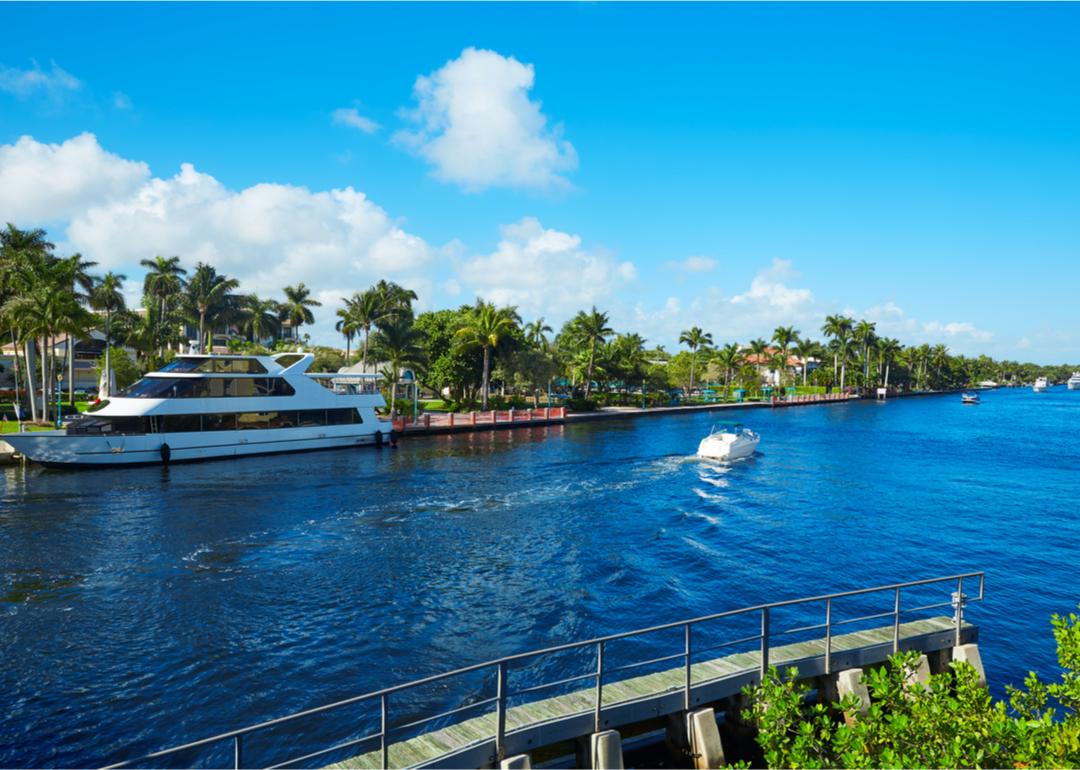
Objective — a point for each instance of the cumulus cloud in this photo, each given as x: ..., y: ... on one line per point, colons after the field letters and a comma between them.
x: 350, y: 116
x: 55, y: 83
x: 893, y: 321
x: 266, y: 235
x: 478, y: 128
x: 54, y: 182
x: 769, y: 289
x: 957, y: 329
x: 544, y: 271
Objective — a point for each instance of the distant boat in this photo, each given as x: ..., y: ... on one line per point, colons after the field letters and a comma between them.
x: 1040, y: 385
x: 988, y: 384
x: 970, y: 398
x: 730, y: 442
x: 1074, y: 381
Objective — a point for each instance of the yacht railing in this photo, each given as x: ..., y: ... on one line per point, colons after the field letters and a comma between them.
x: 694, y: 639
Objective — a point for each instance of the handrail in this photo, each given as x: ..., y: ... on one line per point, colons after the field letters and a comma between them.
x: 501, y: 665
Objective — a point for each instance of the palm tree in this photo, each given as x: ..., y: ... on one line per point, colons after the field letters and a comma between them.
x: 398, y: 344
x: 863, y: 334
x: 296, y: 309
x: 805, y: 348
x: 260, y: 317
x: 107, y: 295
x: 208, y: 296
x: 888, y: 349
x: 164, y: 280
x: 694, y: 338
x: 366, y: 310
x: 729, y: 357
x: 785, y: 337
x: 839, y: 328
x: 939, y: 359
x: 485, y: 326
x: 347, y: 326
x: 535, y: 332
x: 590, y: 329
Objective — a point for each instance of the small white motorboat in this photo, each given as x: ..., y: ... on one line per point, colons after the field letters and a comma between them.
x: 728, y: 442
x: 970, y: 398
x: 1041, y: 384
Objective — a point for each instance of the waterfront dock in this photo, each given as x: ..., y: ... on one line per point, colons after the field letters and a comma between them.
x: 539, y: 705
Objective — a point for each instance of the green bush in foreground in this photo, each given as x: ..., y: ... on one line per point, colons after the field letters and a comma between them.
x: 951, y: 722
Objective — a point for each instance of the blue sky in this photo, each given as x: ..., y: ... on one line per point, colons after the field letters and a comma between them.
x: 730, y: 166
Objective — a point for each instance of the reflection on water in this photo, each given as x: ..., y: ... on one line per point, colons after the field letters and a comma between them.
x: 148, y: 606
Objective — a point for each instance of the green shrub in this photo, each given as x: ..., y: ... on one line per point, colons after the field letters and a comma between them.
x: 580, y: 404
x: 951, y: 722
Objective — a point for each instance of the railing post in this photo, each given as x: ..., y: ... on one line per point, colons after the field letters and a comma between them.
x: 764, y: 642
x: 384, y: 745
x: 689, y: 677
x: 896, y: 624
x: 500, y: 721
x: 828, y: 635
x: 958, y: 610
x: 238, y: 747
x: 599, y: 686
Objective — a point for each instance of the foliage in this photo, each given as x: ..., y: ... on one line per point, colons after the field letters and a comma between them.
x: 124, y: 367
x: 951, y: 722
x: 580, y: 404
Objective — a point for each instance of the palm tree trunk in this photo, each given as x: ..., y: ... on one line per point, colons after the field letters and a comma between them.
x: 202, y: 324
x: 71, y: 369
x: 484, y: 381
x: 886, y: 375
x: 347, y: 340
x: 588, y: 378
x: 15, y: 349
x: 45, y: 377
x: 31, y: 395
x: 691, y: 375
x: 108, y: 352
x: 367, y: 333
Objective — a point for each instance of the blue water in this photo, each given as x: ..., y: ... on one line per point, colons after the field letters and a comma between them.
x: 142, y: 608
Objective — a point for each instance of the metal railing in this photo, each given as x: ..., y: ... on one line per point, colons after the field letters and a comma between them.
x: 500, y: 668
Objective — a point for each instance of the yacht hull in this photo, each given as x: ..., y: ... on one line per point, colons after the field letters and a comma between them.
x: 716, y: 448
x: 54, y: 449
x: 1074, y: 384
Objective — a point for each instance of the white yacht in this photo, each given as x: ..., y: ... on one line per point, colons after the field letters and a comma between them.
x: 1041, y: 384
x: 731, y: 442
x: 203, y: 407
x: 1074, y: 381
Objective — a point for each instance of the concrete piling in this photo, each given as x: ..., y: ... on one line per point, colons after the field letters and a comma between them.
x: 605, y: 750
x: 706, y: 749
x: 850, y: 681
x: 969, y: 653
x: 921, y: 674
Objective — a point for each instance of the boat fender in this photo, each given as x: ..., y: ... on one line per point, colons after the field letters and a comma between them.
x: 378, y: 438
x: 166, y: 453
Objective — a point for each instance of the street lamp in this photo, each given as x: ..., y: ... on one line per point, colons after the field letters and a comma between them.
x: 59, y: 396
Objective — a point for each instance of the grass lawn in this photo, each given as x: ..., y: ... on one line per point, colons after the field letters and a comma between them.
x: 10, y: 426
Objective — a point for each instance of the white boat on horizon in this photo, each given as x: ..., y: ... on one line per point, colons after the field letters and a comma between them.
x: 203, y: 407
x: 1074, y: 381
x: 970, y: 398
x: 1041, y: 384
x: 728, y: 442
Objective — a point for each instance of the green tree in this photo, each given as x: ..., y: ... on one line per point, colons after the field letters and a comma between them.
x: 163, y: 284
x: 207, y: 297
x: 398, y: 344
x: 839, y: 328
x: 296, y: 309
x: 108, y: 296
x: 484, y: 327
x: 261, y: 317
x: 694, y: 338
x: 591, y: 329
x: 784, y: 337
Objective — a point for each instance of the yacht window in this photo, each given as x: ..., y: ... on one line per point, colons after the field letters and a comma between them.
x: 86, y: 426
x: 310, y: 418
x: 208, y: 387
x: 179, y: 423
x: 219, y: 422
x: 215, y: 365
x: 342, y: 417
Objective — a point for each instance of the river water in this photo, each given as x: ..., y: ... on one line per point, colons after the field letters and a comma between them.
x: 142, y: 608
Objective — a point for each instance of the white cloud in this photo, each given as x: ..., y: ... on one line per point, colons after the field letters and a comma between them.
x: 266, y: 235
x: 350, y: 116
x: 544, y: 272
x: 479, y: 129
x: 53, y: 182
x: 121, y: 101
x: 892, y: 321
x: 769, y: 290
x: 955, y: 329
x: 54, y: 83
x: 694, y: 265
